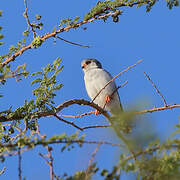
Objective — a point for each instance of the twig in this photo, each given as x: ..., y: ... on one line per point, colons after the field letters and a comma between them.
x: 88, y: 171
x: 50, y: 162
x: 3, y: 77
x: 3, y: 170
x: 27, y: 19
x: 19, y: 164
x: 115, y: 78
x: 157, y: 90
x: 96, y: 126
x: 72, y: 42
x: 158, y: 109
x: 49, y: 155
x: 67, y: 122
x: 76, y: 116
x: 59, y: 141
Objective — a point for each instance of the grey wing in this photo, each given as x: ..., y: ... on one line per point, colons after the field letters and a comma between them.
x: 114, y: 105
x: 95, y: 80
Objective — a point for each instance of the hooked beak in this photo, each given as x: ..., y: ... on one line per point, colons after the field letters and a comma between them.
x: 84, y: 65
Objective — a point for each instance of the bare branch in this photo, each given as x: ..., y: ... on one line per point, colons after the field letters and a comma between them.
x: 72, y: 42
x: 76, y: 116
x: 27, y: 19
x: 115, y: 78
x: 67, y: 122
x: 19, y: 164
x: 3, y: 170
x: 158, y: 109
x: 157, y: 90
x: 88, y: 171
x: 96, y: 126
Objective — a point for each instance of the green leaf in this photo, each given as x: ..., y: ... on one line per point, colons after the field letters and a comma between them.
x: 54, y: 29
x: 38, y: 17
x: 36, y: 73
x: 36, y: 81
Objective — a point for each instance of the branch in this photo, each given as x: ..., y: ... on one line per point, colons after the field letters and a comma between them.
x: 27, y: 19
x: 83, y: 102
x: 58, y: 141
x: 49, y: 162
x: 67, y: 28
x: 95, y: 126
x: 67, y: 122
x: 159, y: 109
x: 157, y: 90
x: 53, y: 34
x: 76, y: 116
x: 19, y: 164
x: 150, y: 150
x: 58, y: 109
x: 72, y: 42
x: 88, y: 172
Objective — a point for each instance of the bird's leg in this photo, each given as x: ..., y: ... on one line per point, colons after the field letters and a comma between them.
x: 96, y: 112
x: 107, y: 99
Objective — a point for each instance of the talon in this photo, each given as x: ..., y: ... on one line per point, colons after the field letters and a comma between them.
x: 107, y: 99
x: 96, y: 112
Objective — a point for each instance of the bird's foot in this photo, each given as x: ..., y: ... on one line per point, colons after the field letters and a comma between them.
x: 96, y: 112
x: 107, y: 99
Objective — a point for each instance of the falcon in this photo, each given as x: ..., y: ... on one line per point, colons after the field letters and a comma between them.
x: 96, y: 78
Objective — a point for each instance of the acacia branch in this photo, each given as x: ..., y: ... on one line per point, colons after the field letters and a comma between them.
x: 82, y: 102
x: 57, y: 141
x: 53, y: 34
x: 67, y: 28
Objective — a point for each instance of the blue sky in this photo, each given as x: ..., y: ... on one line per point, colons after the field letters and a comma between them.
x: 153, y: 37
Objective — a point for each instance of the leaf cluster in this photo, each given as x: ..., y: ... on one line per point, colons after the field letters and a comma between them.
x: 47, y: 85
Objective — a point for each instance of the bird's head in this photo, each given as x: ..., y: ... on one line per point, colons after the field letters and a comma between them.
x: 88, y: 64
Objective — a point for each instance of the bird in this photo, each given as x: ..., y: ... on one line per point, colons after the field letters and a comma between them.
x: 96, y: 78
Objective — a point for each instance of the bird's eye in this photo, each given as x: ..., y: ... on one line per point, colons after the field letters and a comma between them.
x: 88, y: 62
